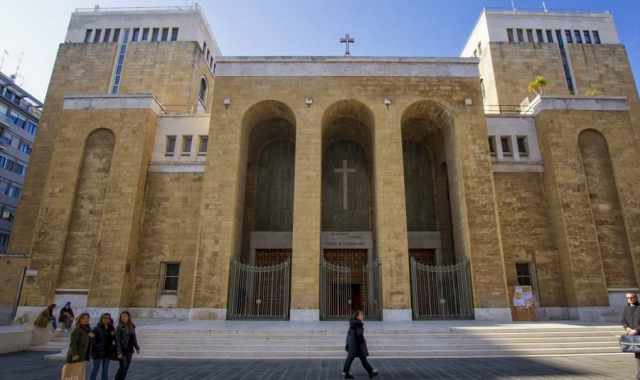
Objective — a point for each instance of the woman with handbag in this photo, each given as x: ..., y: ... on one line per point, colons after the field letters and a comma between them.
x: 126, y: 343
x: 79, y: 348
x: 357, y: 347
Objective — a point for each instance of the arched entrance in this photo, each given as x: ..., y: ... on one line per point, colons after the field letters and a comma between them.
x: 260, y: 274
x: 440, y: 280
x: 349, y: 270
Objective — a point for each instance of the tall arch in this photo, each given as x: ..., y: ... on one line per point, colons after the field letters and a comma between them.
x: 607, y: 211
x: 86, y: 213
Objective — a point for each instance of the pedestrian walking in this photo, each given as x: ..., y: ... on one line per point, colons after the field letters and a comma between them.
x: 103, y: 346
x: 126, y: 343
x: 66, y: 316
x: 46, y: 316
x: 631, y: 322
x: 357, y: 347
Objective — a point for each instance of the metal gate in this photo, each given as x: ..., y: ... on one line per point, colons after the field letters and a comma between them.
x: 342, y: 285
x: 259, y: 292
x: 441, y: 291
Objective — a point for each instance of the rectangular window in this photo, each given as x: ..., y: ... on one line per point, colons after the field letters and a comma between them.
x: 505, y: 143
x: 174, y: 34
x: 211, y: 61
x: 510, y: 35
x: 154, y: 34
x: 97, y: 35
x: 523, y: 146
x: 523, y: 274
x: 165, y: 34
x: 540, y: 36
x: 171, y: 276
x: 4, y: 240
x: 186, y: 145
x: 549, y: 36
x: 530, y: 35
x: 492, y: 146
x: 587, y: 37
x: 567, y: 34
x: 87, y: 36
x: 596, y: 37
x: 578, y: 36
x: 203, y: 146
x: 116, y: 35
x: 520, y: 35
x: 136, y: 35
x: 170, y: 146
x: 107, y: 35
x: 145, y: 34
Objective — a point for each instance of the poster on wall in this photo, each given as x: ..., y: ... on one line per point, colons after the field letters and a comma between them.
x: 523, y: 297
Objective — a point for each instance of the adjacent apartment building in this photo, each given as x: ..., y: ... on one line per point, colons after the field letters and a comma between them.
x: 19, y: 117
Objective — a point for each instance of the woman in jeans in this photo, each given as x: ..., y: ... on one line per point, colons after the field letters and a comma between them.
x: 126, y: 343
x: 103, y: 346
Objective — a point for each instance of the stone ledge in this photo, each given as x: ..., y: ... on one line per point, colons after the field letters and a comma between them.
x: 577, y: 103
x: 347, y: 66
x: 99, y: 102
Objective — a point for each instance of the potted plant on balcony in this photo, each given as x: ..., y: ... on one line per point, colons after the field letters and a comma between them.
x: 537, y: 85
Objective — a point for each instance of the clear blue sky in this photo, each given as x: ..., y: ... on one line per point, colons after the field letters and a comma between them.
x: 296, y: 27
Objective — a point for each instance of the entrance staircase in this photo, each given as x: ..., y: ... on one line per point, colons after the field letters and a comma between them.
x: 282, y: 340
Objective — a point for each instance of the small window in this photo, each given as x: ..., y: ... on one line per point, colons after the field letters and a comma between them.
x: 523, y: 146
x: 174, y: 34
x: 211, y: 62
x: 165, y: 34
x: 136, y: 35
x: 170, y: 147
x: 587, y: 37
x: 559, y: 37
x: 492, y: 146
x: 520, y: 35
x: 155, y: 32
x: 567, y: 34
x: 578, y: 36
x: 87, y: 36
x: 97, y: 35
x: 530, y: 35
x: 208, y: 54
x: 523, y: 274
x: 186, y: 145
x: 107, y: 35
x: 505, y: 143
x: 549, y: 36
x: 510, y: 36
x: 171, y: 276
x: 203, y: 146
x: 540, y: 36
x: 204, y: 46
x: 483, y: 90
x: 116, y: 35
x: 480, y: 48
x: 596, y: 37
x: 145, y: 34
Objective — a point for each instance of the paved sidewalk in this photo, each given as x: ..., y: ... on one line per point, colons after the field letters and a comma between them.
x: 32, y: 366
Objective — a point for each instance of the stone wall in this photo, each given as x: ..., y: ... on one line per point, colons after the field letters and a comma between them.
x: 12, y: 270
x: 526, y: 233
x: 570, y: 207
x: 169, y: 234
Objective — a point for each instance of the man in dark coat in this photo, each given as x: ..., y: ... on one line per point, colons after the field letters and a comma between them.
x: 631, y: 322
x: 357, y: 347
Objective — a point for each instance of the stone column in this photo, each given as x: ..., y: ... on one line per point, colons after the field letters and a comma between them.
x: 307, y: 203
x: 391, y: 218
x: 473, y: 194
x: 221, y: 211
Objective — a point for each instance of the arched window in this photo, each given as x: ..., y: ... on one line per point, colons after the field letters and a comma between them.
x: 203, y: 90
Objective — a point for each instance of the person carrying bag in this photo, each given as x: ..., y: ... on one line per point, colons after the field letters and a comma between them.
x: 79, y: 350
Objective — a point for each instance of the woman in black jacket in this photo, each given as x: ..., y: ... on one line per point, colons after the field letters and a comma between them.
x: 126, y: 343
x: 357, y: 346
x: 102, y: 349
x: 80, y: 341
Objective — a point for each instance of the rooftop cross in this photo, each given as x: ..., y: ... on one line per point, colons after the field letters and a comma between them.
x: 347, y: 39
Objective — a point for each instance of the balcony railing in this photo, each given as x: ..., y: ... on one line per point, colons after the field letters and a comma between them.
x: 30, y: 109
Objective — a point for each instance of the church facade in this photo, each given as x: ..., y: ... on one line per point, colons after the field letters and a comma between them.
x: 174, y: 181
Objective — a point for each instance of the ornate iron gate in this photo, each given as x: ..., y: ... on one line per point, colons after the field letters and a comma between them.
x: 342, y: 285
x: 441, y: 291
x: 259, y: 292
